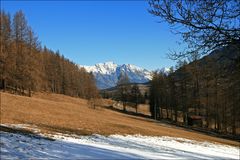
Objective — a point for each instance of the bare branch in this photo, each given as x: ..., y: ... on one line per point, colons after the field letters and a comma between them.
x: 204, y: 25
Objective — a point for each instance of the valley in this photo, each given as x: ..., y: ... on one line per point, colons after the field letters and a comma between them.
x: 120, y: 79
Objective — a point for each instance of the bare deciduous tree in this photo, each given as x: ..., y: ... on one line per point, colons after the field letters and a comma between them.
x: 203, y: 25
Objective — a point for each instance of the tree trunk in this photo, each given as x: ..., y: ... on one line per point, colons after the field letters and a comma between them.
x: 4, y: 85
x: 207, y: 110
x: 185, y: 119
x: 176, y: 115
x: 155, y: 110
x: 124, y: 106
x: 161, y: 113
x: 136, y: 108
x: 29, y: 92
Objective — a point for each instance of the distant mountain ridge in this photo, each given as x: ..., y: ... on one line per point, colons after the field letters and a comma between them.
x: 106, y: 74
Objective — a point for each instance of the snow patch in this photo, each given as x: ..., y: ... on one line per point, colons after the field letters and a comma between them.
x: 19, y: 146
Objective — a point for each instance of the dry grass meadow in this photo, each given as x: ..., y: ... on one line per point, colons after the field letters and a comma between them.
x: 60, y: 113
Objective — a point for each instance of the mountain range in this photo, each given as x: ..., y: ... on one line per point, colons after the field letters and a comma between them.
x: 107, y: 74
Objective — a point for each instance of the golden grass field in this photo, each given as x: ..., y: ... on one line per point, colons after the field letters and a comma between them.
x: 60, y: 113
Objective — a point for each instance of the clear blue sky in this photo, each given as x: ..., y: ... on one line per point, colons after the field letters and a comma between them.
x: 89, y: 32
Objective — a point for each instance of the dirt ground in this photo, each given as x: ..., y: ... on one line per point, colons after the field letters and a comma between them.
x: 60, y: 113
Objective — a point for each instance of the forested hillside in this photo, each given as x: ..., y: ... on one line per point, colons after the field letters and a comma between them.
x: 206, y: 90
x: 26, y: 66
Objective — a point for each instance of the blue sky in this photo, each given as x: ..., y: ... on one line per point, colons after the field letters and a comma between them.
x: 89, y: 32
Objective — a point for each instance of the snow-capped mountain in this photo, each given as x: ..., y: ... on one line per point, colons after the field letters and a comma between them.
x: 107, y: 74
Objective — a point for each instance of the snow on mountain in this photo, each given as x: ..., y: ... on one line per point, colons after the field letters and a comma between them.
x: 107, y: 73
x: 103, y: 68
x: 164, y: 69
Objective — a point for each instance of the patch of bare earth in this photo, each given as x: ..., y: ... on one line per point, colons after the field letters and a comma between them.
x: 60, y: 113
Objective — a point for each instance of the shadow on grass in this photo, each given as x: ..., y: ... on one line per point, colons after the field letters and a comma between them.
x: 65, y: 130
x: 171, y: 124
x: 24, y: 132
x: 128, y: 112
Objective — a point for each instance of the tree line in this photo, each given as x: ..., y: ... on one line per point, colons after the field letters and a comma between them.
x: 208, y: 89
x: 26, y: 66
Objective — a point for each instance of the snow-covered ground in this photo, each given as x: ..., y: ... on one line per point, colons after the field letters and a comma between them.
x: 19, y: 146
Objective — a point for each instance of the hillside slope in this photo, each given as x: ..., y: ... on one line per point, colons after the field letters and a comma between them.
x: 59, y: 113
